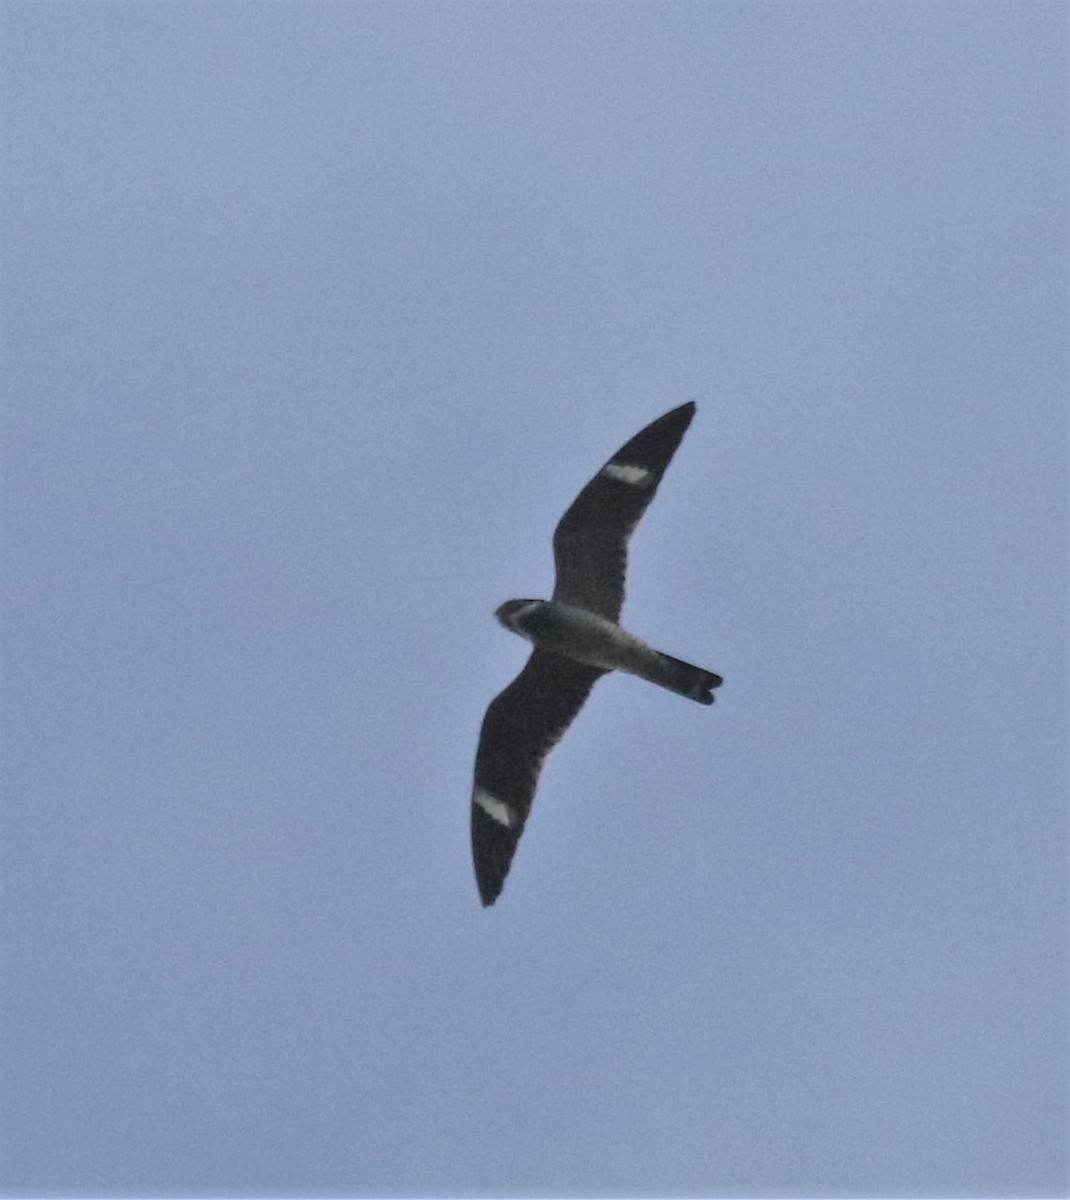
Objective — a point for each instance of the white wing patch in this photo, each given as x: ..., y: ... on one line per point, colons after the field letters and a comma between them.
x: 494, y: 808
x: 636, y: 476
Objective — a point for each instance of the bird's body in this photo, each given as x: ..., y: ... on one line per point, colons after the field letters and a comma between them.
x: 585, y: 637
x: 577, y: 639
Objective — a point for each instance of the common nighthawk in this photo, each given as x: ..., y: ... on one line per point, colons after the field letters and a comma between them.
x: 577, y: 640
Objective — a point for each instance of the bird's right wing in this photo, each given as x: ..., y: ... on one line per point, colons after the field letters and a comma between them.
x: 522, y: 726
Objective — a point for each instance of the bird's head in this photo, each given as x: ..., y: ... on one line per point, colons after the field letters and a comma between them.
x: 511, y: 611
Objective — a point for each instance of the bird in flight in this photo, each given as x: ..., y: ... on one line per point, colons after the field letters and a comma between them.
x: 577, y: 640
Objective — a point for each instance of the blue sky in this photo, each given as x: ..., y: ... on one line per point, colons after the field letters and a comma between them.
x: 316, y: 317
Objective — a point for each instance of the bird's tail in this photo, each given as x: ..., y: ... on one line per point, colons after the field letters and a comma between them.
x: 681, y: 677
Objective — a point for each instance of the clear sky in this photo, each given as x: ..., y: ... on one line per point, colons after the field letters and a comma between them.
x: 316, y: 317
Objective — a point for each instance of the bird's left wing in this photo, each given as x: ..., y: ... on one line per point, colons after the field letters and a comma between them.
x: 522, y: 726
x: 591, y: 539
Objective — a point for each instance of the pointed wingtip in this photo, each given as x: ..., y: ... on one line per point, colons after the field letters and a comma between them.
x: 682, y: 410
x: 490, y: 888
x: 677, y: 419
